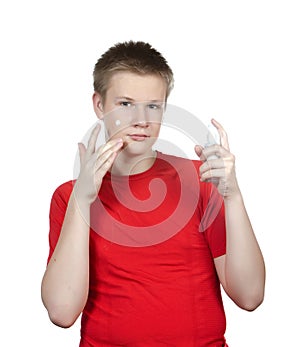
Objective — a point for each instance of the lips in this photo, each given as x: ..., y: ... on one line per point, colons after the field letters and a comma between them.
x: 138, y: 137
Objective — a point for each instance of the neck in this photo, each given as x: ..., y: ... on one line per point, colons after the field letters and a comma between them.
x: 125, y: 165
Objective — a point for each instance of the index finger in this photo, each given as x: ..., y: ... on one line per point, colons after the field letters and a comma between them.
x: 93, y: 139
x: 222, y: 133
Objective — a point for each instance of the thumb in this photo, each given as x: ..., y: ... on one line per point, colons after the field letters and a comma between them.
x: 82, y: 151
x: 198, y: 150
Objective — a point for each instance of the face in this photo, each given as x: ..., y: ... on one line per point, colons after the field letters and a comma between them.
x: 133, y: 110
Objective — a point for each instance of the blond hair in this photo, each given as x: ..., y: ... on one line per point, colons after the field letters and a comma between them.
x: 137, y: 57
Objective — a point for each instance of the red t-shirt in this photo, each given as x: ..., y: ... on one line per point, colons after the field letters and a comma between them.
x: 152, y: 242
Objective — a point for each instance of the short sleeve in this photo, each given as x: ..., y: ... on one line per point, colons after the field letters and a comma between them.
x: 58, y: 207
x: 213, y: 219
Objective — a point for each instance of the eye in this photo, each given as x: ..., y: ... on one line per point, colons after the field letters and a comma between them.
x: 154, y: 106
x: 125, y: 103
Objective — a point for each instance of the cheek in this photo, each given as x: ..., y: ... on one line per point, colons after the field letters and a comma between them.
x: 117, y: 122
x: 114, y: 129
x: 155, y: 130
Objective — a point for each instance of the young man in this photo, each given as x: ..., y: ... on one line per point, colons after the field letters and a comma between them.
x: 141, y: 241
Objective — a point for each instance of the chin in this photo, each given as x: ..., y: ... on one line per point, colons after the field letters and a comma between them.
x: 135, y: 148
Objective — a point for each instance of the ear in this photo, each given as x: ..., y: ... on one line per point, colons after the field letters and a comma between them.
x: 98, y: 105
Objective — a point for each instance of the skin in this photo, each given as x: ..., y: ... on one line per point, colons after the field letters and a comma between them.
x: 140, y: 94
x: 65, y: 291
x: 241, y: 270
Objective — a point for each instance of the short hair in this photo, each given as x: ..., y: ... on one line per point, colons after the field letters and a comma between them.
x: 137, y: 57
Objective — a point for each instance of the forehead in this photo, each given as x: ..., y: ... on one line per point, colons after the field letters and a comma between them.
x: 137, y: 87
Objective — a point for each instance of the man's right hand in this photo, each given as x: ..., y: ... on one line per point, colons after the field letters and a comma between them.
x: 94, y: 164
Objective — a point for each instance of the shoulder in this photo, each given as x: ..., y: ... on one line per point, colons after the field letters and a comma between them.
x: 63, y: 191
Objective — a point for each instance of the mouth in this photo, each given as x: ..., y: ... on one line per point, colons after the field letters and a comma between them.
x: 138, y: 137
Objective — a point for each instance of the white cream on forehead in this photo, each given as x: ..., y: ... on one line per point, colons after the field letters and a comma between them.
x: 117, y: 122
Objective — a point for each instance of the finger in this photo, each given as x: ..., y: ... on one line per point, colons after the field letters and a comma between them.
x: 212, y: 165
x: 82, y: 151
x: 105, y: 165
x: 222, y: 133
x: 93, y: 139
x: 101, y: 159
x: 215, y: 173
x: 109, y: 145
x: 214, y: 150
x: 198, y: 149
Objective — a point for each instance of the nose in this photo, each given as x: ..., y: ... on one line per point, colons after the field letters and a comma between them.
x: 140, y: 116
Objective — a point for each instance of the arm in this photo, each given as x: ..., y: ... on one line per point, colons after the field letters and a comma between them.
x: 241, y: 271
x: 65, y: 283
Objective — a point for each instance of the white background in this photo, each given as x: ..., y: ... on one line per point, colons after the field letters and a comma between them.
x: 235, y: 60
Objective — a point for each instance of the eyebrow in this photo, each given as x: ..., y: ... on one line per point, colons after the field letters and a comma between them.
x: 130, y: 99
x: 124, y: 97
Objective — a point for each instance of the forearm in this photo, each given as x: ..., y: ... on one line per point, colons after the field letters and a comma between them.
x: 244, y: 264
x: 66, y: 280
